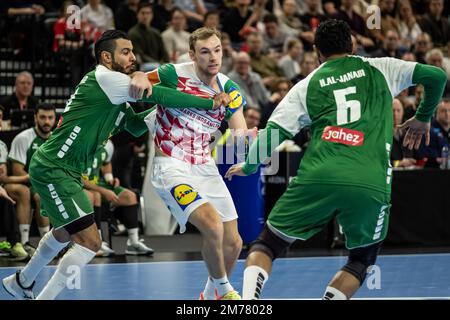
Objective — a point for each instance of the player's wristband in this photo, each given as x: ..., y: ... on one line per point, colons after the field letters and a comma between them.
x: 108, y: 177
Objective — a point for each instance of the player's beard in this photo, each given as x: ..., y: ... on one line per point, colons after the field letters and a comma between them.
x: 119, y: 68
x: 44, y: 129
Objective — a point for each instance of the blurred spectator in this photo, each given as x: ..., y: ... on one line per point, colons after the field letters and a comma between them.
x: 410, y: 110
x: 252, y: 116
x: 422, y: 45
x: 163, y: 12
x: 239, y: 21
x: 355, y: 21
x: 21, y: 98
x: 96, y: 18
x: 387, y: 21
x: 228, y: 54
x: 262, y: 63
x: 330, y: 7
x: 147, y: 42
x: 290, y: 22
x: 308, y: 64
x: 212, y: 20
x: 312, y: 16
x: 435, y: 24
x: 125, y: 17
x: 274, y: 38
x: 69, y: 44
x: 289, y: 63
x: 279, y: 91
x: 175, y: 38
x: 441, y: 124
x: 194, y: 11
x: 250, y: 82
x: 400, y: 156
x: 409, y: 28
x: 390, y: 46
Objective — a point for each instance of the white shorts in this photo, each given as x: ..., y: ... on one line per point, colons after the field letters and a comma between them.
x: 184, y: 187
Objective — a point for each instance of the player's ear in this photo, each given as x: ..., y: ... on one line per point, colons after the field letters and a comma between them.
x: 106, y: 57
x: 192, y: 55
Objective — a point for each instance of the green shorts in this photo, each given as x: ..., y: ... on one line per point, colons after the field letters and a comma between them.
x: 305, y: 209
x: 63, y: 198
x: 118, y: 190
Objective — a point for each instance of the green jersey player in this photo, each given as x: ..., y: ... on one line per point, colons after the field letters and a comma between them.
x: 346, y: 170
x: 96, y: 110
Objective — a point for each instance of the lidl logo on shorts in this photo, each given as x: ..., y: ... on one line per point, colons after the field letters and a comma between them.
x: 343, y: 135
x: 238, y: 99
x: 184, y: 195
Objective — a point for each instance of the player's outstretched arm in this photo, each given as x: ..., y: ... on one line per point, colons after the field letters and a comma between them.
x: 266, y: 142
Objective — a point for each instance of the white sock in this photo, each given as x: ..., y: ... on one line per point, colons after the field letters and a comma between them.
x: 208, y: 292
x: 77, y: 256
x: 222, y: 285
x: 333, y: 294
x: 43, y: 230
x: 47, y: 249
x: 254, y: 279
x: 133, y: 235
x: 24, y: 233
x: 100, y: 233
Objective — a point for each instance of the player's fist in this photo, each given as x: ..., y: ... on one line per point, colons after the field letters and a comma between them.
x: 221, y: 99
x: 235, y: 170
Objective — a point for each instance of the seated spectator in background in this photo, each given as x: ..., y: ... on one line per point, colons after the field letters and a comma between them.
x: 96, y: 19
x: 162, y: 11
x: 308, y: 64
x: 252, y: 116
x: 312, y: 16
x: 410, y: 110
x: 409, y: 28
x: 422, y: 45
x: 435, y: 57
x: 69, y: 44
x: 21, y: 99
x: 175, y: 38
x: 238, y: 21
x: 262, y: 63
x: 355, y: 21
x: 125, y: 17
x: 194, y: 11
x: 228, y: 54
x: 400, y: 156
x: 279, y: 91
x: 23, y: 147
x: 435, y: 24
x: 290, y: 62
x: 274, y: 38
x: 387, y: 21
x: 391, y: 46
x: 251, y: 84
x: 212, y: 20
x: 291, y: 24
x: 148, y: 45
x: 441, y: 124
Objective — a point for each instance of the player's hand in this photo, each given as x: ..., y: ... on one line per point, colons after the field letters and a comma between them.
x: 111, y: 197
x: 4, y: 194
x: 221, y: 99
x: 140, y: 83
x: 235, y: 170
x: 415, y: 129
x: 115, y: 182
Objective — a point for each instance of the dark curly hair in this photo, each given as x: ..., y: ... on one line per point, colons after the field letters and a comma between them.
x: 107, y: 42
x: 333, y: 37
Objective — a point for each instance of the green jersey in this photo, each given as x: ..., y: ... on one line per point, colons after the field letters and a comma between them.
x: 348, y: 102
x: 24, y: 145
x: 97, y: 110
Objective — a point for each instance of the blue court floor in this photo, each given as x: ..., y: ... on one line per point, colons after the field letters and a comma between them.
x: 418, y: 276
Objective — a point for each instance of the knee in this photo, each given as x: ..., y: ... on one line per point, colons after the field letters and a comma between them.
x: 92, y: 243
x: 234, y: 245
x: 211, y: 225
x: 360, y: 259
x: 128, y: 197
x: 269, y: 243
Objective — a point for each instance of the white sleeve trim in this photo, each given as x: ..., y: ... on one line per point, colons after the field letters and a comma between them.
x: 398, y: 73
x: 20, y: 145
x: 109, y: 147
x: 115, y: 85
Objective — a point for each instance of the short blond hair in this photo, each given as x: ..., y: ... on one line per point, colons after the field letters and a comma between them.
x: 202, y: 34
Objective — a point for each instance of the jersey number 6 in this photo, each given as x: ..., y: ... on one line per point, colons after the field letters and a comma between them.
x: 347, y: 110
